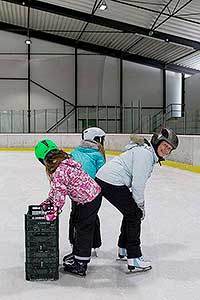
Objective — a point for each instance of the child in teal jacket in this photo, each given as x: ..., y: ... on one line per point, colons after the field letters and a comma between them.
x: 90, y: 153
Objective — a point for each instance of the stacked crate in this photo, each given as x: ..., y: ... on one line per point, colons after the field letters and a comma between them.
x: 42, y: 246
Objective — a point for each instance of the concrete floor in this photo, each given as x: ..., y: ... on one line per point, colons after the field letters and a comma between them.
x: 170, y: 239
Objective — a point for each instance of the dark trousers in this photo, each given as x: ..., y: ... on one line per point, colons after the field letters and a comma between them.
x: 74, y: 214
x: 84, y: 227
x: 121, y: 198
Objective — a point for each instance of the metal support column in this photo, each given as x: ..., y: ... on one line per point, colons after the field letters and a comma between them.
x: 164, y: 91
x: 29, y: 89
x: 121, y: 96
x: 183, y: 95
x: 29, y: 69
x: 76, y: 88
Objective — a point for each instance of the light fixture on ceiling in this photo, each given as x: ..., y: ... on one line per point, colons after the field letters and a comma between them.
x: 150, y: 32
x: 103, y: 5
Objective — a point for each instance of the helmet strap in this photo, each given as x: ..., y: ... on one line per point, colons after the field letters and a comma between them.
x: 42, y: 161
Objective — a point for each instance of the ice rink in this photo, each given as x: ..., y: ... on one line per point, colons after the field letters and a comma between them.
x: 170, y: 239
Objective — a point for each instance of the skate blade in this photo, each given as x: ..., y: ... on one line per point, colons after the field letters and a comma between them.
x: 64, y: 271
x: 121, y: 259
x: 94, y: 254
x: 139, y: 270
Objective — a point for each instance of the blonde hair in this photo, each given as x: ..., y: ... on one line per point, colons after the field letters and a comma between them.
x: 53, y: 159
x: 102, y: 150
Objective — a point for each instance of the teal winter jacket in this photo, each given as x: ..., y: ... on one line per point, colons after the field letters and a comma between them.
x: 89, y: 156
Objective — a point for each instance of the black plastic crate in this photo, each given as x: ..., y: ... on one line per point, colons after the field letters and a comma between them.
x: 36, y: 223
x: 42, y: 251
x: 42, y: 240
x: 42, y: 262
x: 42, y: 246
x: 41, y: 272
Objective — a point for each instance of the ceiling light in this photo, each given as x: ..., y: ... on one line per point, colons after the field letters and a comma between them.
x: 103, y: 5
x: 150, y: 32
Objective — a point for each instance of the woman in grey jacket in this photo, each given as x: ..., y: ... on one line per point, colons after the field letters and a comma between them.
x: 130, y: 170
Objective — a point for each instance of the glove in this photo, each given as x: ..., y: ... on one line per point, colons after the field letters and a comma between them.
x: 141, y: 207
x: 46, y: 206
x: 52, y: 214
x: 50, y: 211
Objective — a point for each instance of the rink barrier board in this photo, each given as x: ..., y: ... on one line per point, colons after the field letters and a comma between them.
x: 109, y: 152
x: 169, y: 163
x: 182, y: 166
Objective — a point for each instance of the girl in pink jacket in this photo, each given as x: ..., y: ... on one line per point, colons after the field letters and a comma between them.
x: 68, y: 179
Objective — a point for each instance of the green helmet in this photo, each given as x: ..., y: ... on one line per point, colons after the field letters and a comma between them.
x: 43, y: 148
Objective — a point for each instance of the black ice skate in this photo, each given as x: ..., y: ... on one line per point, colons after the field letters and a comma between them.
x: 75, y: 266
x: 67, y: 257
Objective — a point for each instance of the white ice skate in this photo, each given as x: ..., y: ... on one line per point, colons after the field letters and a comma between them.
x: 95, y: 252
x: 122, y: 254
x: 138, y: 265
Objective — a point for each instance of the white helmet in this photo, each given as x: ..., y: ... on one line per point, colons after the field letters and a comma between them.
x: 94, y: 134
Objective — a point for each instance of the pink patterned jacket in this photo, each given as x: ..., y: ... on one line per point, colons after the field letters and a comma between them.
x: 69, y: 179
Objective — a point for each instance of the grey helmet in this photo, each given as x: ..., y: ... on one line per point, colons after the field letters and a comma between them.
x: 167, y: 135
x: 94, y: 134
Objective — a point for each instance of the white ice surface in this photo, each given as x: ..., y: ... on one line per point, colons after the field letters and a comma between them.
x: 170, y: 239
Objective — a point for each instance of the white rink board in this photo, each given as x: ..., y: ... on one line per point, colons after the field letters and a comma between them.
x: 188, y: 151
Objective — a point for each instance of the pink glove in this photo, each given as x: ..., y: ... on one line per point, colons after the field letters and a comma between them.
x: 45, y: 206
x: 52, y: 214
x: 50, y: 210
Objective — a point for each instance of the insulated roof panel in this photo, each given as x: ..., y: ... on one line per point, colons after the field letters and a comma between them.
x: 13, y: 14
x: 191, y: 61
x: 55, y: 24
x: 162, y: 31
x: 107, y: 37
x: 156, y: 49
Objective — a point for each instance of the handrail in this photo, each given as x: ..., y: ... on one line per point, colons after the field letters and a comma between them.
x: 59, y: 122
x: 156, y: 123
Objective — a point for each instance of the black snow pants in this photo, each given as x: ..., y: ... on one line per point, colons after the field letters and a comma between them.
x: 84, y: 227
x: 121, y: 198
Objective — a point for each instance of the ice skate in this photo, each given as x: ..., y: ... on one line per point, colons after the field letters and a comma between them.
x: 75, y: 266
x: 138, y: 265
x: 122, y: 254
x: 95, y: 252
x: 67, y: 257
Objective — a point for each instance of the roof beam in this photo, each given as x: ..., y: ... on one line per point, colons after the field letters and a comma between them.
x: 172, y: 15
x: 95, y: 48
x: 157, y: 18
x: 180, y: 69
x: 124, y: 27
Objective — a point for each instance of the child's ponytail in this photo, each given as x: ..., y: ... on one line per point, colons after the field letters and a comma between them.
x: 53, y: 159
x: 102, y: 150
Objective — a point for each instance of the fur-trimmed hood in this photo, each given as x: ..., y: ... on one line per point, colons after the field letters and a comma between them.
x: 89, y: 144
